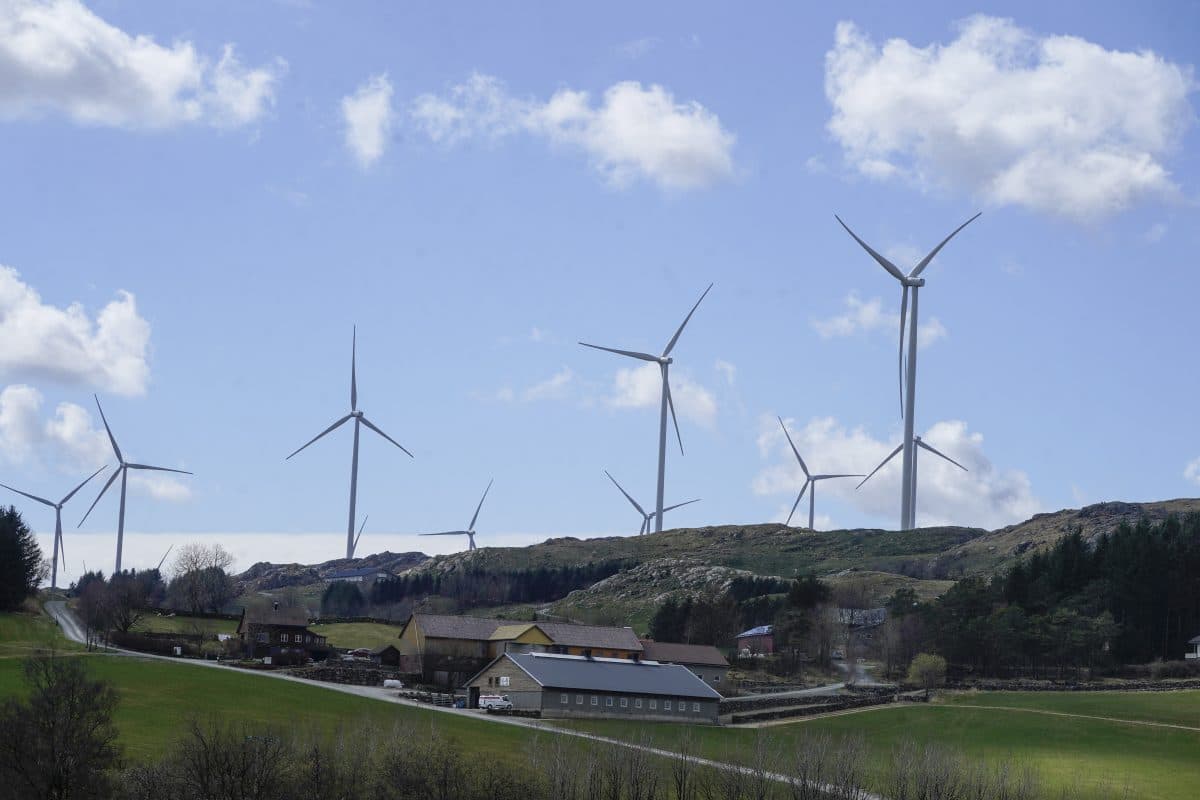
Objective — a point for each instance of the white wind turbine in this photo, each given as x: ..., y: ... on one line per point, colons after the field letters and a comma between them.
x: 359, y: 421
x: 646, y: 517
x: 59, y: 547
x: 908, y: 383
x: 470, y: 531
x: 810, y: 480
x: 922, y: 444
x: 664, y: 362
x: 123, y: 468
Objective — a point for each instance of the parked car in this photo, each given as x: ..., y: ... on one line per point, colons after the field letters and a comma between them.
x: 838, y: 655
x: 495, y: 702
x: 361, y: 652
x: 392, y: 683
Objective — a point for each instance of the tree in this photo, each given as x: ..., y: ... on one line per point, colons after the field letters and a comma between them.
x: 127, y: 598
x: 21, y: 565
x: 927, y: 671
x: 342, y: 599
x: 94, y: 610
x: 200, y: 578
x: 60, y: 743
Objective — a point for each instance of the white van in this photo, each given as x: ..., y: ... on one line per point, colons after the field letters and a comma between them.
x: 495, y: 702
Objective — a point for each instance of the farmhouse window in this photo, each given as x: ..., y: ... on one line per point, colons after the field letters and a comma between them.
x: 564, y: 699
x: 696, y: 707
x: 504, y: 680
x: 608, y: 702
x: 264, y: 637
x: 637, y: 703
x: 666, y: 705
x: 716, y: 678
x: 624, y: 702
x: 283, y: 637
x: 578, y: 699
x: 595, y: 700
x: 653, y: 705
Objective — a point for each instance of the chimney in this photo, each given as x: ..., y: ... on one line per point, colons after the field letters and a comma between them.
x: 275, y: 606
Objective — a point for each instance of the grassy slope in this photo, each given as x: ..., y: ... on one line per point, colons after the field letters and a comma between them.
x: 358, y: 634
x: 1171, y: 708
x: 153, y: 623
x: 23, y: 632
x: 158, y: 699
x: 1157, y: 763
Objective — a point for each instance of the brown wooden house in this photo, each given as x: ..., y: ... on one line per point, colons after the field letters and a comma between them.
x: 279, y: 633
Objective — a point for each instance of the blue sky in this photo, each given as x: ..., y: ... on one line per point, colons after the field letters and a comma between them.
x: 200, y: 202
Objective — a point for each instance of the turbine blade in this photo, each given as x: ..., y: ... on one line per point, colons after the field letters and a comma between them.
x: 41, y: 500
x: 903, y: 318
x: 353, y: 371
x: 682, y: 325
x: 671, y: 405
x: 796, y: 504
x: 936, y: 452
x: 360, y: 530
x: 925, y: 261
x: 803, y: 466
x: 630, y: 353
x: 158, y: 469
x: 844, y: 475
x: 883, y: 262
x: 446, y: 533
x: 116, y: 472
x: 471, y: 527
x: 111, y: 438
x: 80, y: 486
x: 62, y: 549
x: 319, y: 435
x: 372, y: 426
x: 680, y: 505
x: 891, y: 455
x: 645, y: 524
x: 641, y: 510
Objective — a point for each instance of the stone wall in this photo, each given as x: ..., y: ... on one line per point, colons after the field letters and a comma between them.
x: 355, y: 674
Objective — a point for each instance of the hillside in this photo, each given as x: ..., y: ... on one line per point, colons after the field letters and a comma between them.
x: 702, y: 561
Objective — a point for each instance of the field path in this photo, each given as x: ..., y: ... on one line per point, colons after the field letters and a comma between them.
x: 72, y: 630
x: 1068, y: 714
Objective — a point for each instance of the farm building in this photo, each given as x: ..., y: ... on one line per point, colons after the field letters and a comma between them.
x: 578, y: 686
x: 1195, y: 645
x: 386, y: 656
x: 446, y: 649
x: 704, y: 660
x: 757, y: 641
x: 277, y: 632
x: 361, y: 575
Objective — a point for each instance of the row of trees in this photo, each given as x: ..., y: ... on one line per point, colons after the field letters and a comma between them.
x: 59, y: 742
x: 22, y: 568
x: 479, y: 586
x: 1129, y: 597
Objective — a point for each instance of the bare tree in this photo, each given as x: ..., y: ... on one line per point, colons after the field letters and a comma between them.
x: 810, y: 767
x: 683, y: 766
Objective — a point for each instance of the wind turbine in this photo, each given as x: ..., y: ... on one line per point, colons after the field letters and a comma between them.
x: 57, y: 523
x: 470, y: 531
x: 664, y: 362
x: 122, y: 470
x: 360, y: 530
x: 809, y: 480
x: 359, y: 421
x: 646, y: 517
x: 920, y: 443
x: 908, y: 383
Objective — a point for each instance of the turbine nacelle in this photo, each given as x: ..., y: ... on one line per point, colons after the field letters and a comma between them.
x: 358, y: 414
x: 913, y: 283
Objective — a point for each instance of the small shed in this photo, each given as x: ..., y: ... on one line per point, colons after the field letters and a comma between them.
x: 1193, y: 643
x: 386, y: 656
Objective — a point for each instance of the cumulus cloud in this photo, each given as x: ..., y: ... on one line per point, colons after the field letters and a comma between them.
x: 1192, y: 472
x: 868, y: 316
x: 728, y: 371
x: 553, y: 388
x: 57, y: 56
x: 65, y: 345
x: 641, y: 387
x: 983, y: 497
x: 368, y: 117
x: 69, y: 440
x: 1052, y: 123
x: 632, y: 133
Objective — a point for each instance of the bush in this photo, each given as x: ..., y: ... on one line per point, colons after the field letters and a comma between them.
x: 927, y: 671
x: 1175, y: 669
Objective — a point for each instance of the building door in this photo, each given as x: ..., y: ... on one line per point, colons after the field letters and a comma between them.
x: 473, y: 697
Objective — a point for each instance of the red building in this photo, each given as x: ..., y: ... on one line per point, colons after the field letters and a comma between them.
x: 757, y: 641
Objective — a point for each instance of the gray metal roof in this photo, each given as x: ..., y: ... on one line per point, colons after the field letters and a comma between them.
x: 1195, y: 640
x: 553, y: 671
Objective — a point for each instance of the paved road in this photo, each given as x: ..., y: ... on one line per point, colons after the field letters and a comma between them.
x: 74, y: 631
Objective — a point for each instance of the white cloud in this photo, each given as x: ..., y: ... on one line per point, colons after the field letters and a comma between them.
x: 1192, y: 472
x: 65, y: 345
x: 59, y: 56
x: 1156, y: 232
x: 69, y: 440
x: 868, y: 316
x: 728, y: 371
x: 983, y: 497
x: 641, y: 387
x: 368, y: 117
x: 633, y: 133
x: 1051, y: 123
x: 553, y: 388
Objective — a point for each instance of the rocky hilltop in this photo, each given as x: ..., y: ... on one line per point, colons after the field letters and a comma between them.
x: 265, y: 576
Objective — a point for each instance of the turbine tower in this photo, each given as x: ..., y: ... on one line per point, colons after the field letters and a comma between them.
x: 664, y: 362
x: 470, y: 531
x: 922, y: 444
x: 908, y: 382
x: 57, y: 523
x: 646, y: 517
x: 359, y: 421
x: 123, y: 468
x: 809, y: 480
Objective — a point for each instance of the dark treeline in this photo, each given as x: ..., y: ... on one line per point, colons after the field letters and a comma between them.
x: 1129, y: 597
x: 478, y: 586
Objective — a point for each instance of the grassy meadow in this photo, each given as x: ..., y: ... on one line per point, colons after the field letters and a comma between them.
x: 358, y: 634
x: 24, y: 632
x: 179, y: 623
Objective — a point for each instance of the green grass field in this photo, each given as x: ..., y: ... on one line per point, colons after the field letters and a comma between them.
x: 1100, y: 757
x: 154, y: 623
x: 23, y: 632
x: 358, y: 634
